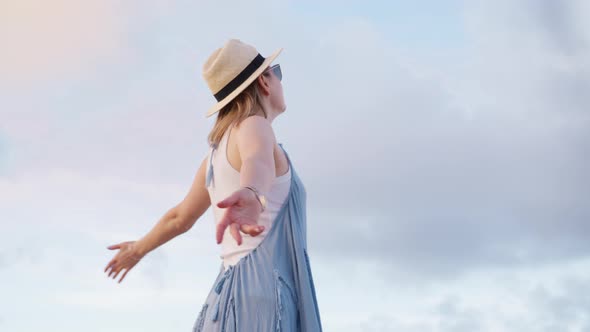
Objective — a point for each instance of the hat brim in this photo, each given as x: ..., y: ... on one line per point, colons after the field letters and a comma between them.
x: 244, y: 85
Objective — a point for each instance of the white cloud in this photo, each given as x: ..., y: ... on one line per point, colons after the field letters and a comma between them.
x: 503, y: 299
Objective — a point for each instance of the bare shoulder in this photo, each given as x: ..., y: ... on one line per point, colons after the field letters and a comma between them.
x: 254, y: 134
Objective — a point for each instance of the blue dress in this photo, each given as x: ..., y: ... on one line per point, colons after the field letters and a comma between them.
x: 271, y: 288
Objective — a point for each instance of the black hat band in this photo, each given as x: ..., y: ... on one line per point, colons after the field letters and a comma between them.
x: 241, y: 78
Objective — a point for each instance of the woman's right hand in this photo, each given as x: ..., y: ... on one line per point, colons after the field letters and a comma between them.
x: 243, y: 211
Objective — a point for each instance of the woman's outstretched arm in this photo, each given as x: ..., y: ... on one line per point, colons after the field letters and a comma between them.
x: 176, y: 221
x: 180, y: 218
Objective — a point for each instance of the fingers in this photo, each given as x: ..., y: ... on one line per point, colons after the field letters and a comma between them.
x: 252, y: 230
x: 112, y: 247
x: 113, y: 270
x: 221, y: 229
x: 229, y: 201
x: 117, y: 273
x: 235, y: 232
x: 116, y: 269
x: 123, y: 276
x: 112, y: 262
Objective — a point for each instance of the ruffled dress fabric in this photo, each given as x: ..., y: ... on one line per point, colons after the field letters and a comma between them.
x: 271, y: 288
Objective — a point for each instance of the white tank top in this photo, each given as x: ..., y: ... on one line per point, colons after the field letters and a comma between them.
x: 226, y: 180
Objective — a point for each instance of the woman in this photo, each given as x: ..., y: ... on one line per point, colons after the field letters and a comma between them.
x: 265, y: 281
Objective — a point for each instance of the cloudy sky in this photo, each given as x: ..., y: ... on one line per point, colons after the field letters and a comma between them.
x: 444, y: 147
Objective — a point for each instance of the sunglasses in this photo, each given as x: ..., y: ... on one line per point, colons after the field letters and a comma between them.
x: 276, y: 69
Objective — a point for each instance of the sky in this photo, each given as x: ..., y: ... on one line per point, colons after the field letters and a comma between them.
x: 444, y: 147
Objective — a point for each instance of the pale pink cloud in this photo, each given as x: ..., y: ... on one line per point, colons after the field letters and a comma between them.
x: 44, y: 40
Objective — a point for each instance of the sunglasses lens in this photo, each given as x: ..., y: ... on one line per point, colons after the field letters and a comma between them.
x: 276, y: 70
x: 278, y: 73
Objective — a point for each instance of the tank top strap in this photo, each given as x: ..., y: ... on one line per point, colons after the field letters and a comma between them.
x: 286, y: 155
x: 209, y: 179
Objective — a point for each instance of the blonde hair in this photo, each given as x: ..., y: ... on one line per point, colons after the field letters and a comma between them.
x: 240, y: 108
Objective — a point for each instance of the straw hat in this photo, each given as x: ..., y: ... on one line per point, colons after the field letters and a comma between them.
x: 231, y: 69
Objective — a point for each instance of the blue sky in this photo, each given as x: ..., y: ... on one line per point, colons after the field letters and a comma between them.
x: 443, y: 145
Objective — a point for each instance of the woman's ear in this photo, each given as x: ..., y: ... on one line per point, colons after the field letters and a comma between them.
x: 264, y: 85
